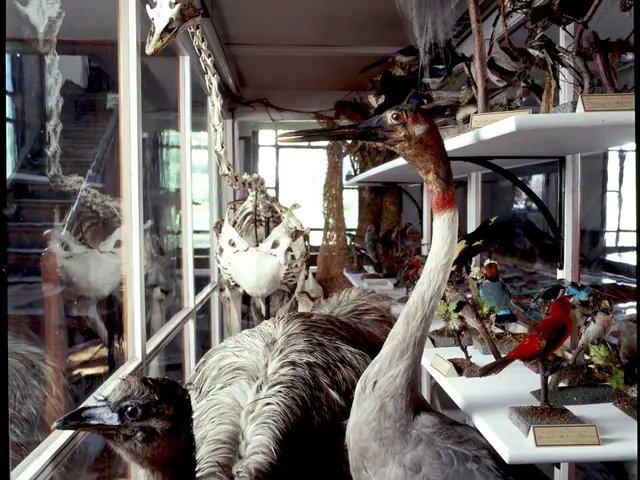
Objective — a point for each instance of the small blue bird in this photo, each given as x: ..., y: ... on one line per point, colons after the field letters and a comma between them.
x: 496, y: 292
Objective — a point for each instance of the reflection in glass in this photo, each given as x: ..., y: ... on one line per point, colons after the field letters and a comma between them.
x: 161, y: 183
x: 461, y: 185
x: 64, y: 268
x: 169, y: 361
x: 203, y: 330
x: 200, y: 186
x: 93, y: 459
x: 608, y: 241
x: 525, y: 250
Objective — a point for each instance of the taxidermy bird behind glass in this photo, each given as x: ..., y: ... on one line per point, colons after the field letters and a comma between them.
x: 393, y: 433
x: 268, y: 403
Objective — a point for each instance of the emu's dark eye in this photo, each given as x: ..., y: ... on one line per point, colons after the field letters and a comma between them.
x: 132, y: 412
x: 397, y: 117
x: 275, y: 244
x: 232, y: 244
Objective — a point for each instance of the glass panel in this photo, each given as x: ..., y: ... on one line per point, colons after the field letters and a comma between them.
x: 272, y: 191
x: 611, y: 217
x: 10, y: 110
x: 267, y: 165
x: 64, y: 269
x: 461, y: 200
x: 11, y: 148
x: 203, y: 330
x: 200, y: 186
x: 608, y: 254
x: 92, y: 459
x: 302, y: 172
x: 267, y: 137
x: 613, y: 172
x: 348, y: 169
x: 161, y: 181
x: 350, y: 201
x: 8, y: 73
x: 169, y: 361
x: 524, y: 249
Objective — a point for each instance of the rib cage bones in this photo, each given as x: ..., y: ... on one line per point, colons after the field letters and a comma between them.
x: 247, y: 246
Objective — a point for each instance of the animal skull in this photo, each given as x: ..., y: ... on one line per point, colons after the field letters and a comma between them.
x: 168, y: 19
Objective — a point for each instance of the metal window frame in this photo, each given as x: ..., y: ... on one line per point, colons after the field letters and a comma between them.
x: 56, y: 447
x: 278, y: 147
x: 186, y: 192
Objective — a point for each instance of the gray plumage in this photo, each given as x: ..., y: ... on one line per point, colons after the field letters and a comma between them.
x: 430, y: 22
x: 256, y: 393
x: 268, y: 403
x: 392, y: 432
x: 28, y: 375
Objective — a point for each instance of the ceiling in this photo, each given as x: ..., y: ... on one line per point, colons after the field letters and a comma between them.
x: 305, y: 55
x: 300, y: 55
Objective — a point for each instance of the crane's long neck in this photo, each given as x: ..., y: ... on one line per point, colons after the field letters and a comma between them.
x: 396, y: 370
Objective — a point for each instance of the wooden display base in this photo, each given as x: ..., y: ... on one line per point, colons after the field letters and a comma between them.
x: 444, y: 337
x: 526, y: 417
x: 580, y: 395
x: 505, y: 342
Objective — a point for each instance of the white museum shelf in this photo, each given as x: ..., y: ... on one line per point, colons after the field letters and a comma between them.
x: 486, y: 400
x: 357, y: 281
x: 553, y: 135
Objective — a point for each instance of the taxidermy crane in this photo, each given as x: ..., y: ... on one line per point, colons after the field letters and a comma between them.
x: 393, y: 433
x: 268, y: 403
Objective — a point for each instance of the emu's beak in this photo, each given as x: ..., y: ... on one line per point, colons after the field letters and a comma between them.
x: 91, y: 418
x: 375, y: 129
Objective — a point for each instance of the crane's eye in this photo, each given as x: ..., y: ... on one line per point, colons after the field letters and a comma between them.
x: 132, y: 412
x: 397, y: 117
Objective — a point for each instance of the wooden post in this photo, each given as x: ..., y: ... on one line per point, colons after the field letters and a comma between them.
x: 55, y: 338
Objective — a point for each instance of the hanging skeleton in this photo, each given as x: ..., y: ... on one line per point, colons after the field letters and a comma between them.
x: 262, y: 247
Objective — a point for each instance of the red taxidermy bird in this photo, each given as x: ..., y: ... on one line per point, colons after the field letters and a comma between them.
x: 545, y: 339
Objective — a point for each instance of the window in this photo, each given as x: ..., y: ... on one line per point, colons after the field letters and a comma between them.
x: 82, y: 284
x: 11, y: 115
x: 295, y: 173
x: 620, y: 223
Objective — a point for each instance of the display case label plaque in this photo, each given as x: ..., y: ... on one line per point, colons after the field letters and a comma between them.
x: 565, y: 435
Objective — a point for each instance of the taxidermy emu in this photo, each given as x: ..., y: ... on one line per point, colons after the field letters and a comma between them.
x: 393, y: 433
x: 29, y: 372
x: 268, y: 403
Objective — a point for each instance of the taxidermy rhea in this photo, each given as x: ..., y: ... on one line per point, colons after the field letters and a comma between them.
x: 393, y: 433
x: 268, y: 403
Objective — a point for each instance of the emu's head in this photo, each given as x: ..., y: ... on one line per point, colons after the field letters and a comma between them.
x: 147, y: 420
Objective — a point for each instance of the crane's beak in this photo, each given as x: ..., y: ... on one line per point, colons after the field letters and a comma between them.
x: 376, y: 129
x: 91, y: 418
